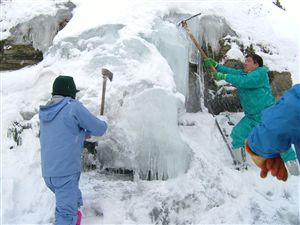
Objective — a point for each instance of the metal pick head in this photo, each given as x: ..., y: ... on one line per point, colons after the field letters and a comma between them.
x: 107, y: 73
x: 183, y: 22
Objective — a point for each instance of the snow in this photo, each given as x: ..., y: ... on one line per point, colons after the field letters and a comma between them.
x: 235, y: 53
x: 20, y: 11
x: 144, y: 105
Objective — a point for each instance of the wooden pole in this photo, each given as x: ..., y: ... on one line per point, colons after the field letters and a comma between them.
x: 103, y: 95
x: 198, y: 46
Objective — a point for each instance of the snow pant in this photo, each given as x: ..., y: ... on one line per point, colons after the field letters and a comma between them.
x: 242, y: 129
x: 288, y: 155
x: 68, y: 197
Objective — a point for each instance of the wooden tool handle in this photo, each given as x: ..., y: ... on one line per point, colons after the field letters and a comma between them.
x: 198, y: 46
x: 103, y: 95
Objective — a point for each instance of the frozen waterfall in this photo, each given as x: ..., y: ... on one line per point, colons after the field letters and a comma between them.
x: 142, y: 104
x: 142, y: 101
x: 149, y: 89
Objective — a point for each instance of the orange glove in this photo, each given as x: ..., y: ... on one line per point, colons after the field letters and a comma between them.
x: 274, y: 165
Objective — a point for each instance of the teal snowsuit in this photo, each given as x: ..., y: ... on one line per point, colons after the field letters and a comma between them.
x: 255, y: 95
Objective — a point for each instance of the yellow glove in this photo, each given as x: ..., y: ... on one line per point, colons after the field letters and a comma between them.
x: 274, y: 165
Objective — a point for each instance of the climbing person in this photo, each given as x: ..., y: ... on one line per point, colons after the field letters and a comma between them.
x: 64, y: 125
x: 278, y: 130
x: 255, y: 93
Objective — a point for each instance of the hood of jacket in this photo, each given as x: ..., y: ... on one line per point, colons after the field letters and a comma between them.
x: 297, y: 90
x: 49, y: 112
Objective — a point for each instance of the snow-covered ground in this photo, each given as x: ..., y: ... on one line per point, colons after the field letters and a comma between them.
x: 144, y: 107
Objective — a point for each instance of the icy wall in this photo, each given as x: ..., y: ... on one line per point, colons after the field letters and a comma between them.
x: 142, y: 101
x: 172, y: 44
x: 148, y: 91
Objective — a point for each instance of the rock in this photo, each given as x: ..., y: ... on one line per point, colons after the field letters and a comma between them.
x: 226, y: 101
x: 234, y: 63
x: 193, y: 100
x: 18, y: 56
x: 41, y: 30
x: 222, y: 98
x: 280, y: 82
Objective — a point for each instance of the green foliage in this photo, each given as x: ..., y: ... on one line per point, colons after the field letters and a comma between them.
x: 91, y: 147
x: 278, y: 4
x: 224, y: 48
x: 250, y: 49
x: 17, y: 56
x: 16, y: 130
x: 89, y: 156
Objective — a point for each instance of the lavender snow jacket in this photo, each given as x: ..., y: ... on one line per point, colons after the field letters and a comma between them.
x: 63, y: 128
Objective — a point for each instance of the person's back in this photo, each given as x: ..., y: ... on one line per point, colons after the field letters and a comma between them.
x: 64, y: 125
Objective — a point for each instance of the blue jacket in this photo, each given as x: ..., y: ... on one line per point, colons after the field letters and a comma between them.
x: 280, y: 126
x: 63, y: 128
x: 253, y: 88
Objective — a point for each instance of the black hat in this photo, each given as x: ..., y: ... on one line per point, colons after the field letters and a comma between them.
x: 65, y: 86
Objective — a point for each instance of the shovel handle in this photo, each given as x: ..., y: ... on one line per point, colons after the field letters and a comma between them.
x: 198, y: 46
x: 103, y: 96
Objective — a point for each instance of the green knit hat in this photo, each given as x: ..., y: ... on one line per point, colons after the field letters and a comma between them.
x: 65, y: 86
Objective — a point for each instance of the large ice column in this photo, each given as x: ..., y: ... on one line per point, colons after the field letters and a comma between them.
x: 151, y: 123
x: 172, y: 45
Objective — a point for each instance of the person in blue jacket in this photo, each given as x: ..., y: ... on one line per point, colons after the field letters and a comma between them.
x: 64, y: 125
x: 279, y: 129
x: 255, y: 93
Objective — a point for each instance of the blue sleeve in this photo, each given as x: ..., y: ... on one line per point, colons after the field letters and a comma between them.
x: 255, y: 79
x: 88, y: 121
x: 280, y: 127
x: 227, y: 70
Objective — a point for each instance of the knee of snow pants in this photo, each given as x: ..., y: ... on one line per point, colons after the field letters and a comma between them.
x: 68, y: 198
x: 288, y: 155
x: 241, y: 131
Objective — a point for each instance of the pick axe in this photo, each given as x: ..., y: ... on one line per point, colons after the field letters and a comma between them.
x: 183, y: 23
x: 105, y: 74
x: 88, y: 144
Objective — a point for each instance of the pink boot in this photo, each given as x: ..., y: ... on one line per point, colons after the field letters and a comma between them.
x: 79, y: 215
